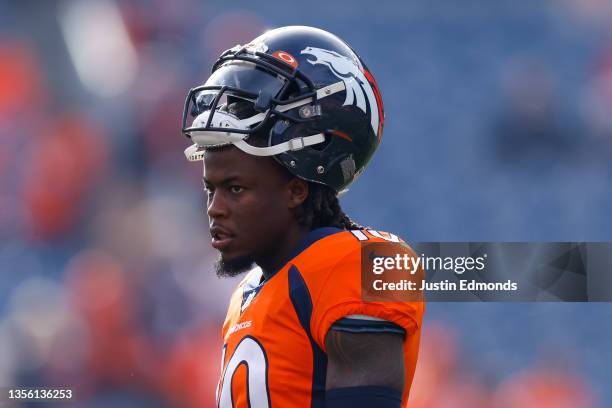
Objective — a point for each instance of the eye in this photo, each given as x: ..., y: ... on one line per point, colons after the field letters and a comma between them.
x: 236, y: 189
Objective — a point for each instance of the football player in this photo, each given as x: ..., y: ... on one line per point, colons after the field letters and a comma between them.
x: 283, y: 125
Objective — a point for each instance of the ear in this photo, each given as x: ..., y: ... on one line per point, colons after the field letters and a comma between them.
x: 298, y: 192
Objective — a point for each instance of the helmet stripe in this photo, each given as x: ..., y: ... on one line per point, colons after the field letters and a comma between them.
x: 381, y: 115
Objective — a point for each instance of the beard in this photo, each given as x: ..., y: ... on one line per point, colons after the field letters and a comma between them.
x: 229, y: 268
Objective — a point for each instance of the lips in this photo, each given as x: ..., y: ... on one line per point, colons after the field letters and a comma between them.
x: 221, y: 237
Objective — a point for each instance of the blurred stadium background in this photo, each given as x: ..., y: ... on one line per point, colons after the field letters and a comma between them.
x: 499, y: 128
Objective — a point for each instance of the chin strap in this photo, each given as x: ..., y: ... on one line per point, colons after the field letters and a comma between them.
x: 196, y: 153
x: 293, y: 144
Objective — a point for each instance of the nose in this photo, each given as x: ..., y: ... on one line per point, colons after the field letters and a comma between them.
x: 217, y: 206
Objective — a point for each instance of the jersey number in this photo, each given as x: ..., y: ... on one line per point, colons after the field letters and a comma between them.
x: 250, y: 353
x: 361, y: 236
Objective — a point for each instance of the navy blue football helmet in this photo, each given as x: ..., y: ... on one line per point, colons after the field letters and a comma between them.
x: 301, y: 88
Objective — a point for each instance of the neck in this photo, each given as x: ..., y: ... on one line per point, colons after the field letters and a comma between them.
x: 271, y: 263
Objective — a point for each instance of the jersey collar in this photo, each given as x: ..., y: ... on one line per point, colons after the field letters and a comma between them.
x: 309, y: 239
x: 312, y: 237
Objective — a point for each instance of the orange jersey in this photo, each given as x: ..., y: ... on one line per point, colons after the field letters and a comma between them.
x: 274, y: 333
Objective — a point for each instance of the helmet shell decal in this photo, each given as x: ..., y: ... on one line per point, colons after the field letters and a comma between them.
x: 359, y: 90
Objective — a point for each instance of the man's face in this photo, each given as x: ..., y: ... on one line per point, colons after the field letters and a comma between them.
x: 248, y: 206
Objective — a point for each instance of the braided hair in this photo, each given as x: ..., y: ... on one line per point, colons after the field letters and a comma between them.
x: 322, y: 209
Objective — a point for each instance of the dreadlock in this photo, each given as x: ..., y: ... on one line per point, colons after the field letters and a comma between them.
x: 322, y: 209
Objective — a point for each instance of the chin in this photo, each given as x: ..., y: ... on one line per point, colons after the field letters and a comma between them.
x: 227, y: 266
x: 230, y: 255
